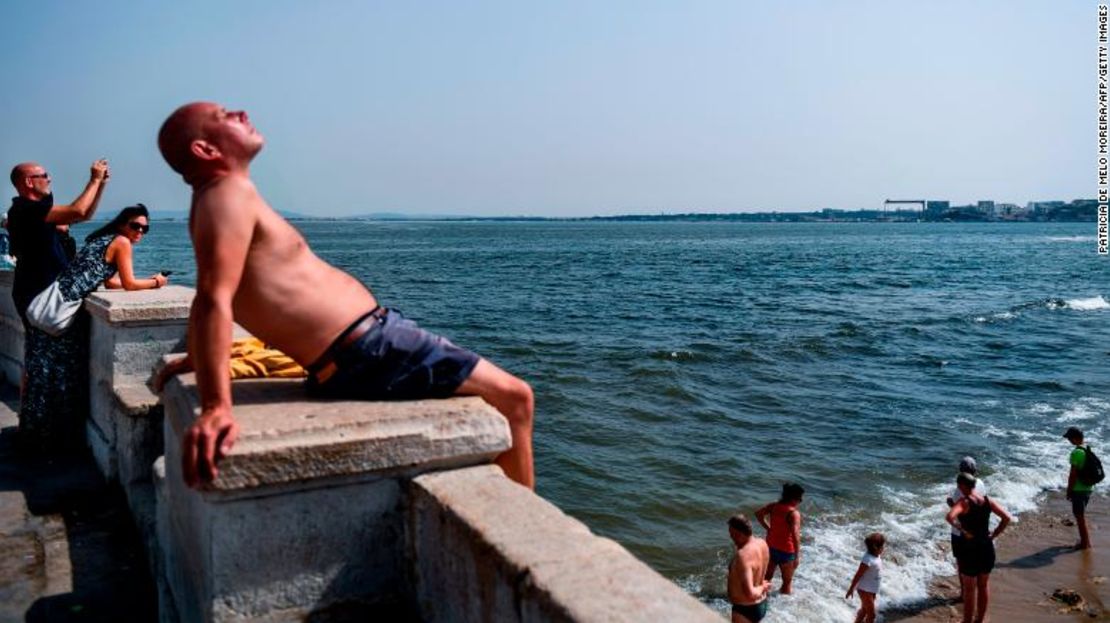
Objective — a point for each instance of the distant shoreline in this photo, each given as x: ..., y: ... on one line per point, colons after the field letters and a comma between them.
x: 757, y: 217
x: 1075, y: 211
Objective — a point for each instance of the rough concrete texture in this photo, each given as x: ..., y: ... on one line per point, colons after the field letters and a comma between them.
x: 125, y: 431
x: 11, y: 340
x: 11, y: 333
x: 120, y: 351
x: 138, y: 445
x: 486, y: 549
x: 102, y: 449
x: 138, y: 419
x: 115, y: 306
x: 310, y: 549
x: 286, y: 438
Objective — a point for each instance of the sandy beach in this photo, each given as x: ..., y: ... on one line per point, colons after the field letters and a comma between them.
x: 1035, y: 560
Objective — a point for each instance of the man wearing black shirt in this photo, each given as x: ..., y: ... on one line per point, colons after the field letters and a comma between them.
x: 32, y: 223
x: 69, y: 244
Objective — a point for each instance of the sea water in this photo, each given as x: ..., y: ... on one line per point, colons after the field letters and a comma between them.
x: 684, y: 371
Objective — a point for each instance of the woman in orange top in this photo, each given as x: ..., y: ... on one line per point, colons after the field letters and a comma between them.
x: 783, y: 523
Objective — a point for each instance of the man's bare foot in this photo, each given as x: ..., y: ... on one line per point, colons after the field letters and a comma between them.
x: 1081, y: 546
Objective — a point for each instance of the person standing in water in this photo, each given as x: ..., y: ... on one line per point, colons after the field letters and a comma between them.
x: 975, y: 557
x: 783, y: 523
x: 868, y: 578
x: 747, y: 590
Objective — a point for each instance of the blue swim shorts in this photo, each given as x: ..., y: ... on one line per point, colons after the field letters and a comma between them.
x: 779, y: 557
x: 393, y: 360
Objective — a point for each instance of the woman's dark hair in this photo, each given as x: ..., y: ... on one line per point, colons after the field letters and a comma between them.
x: 792, y: 492
x: 121, y: 219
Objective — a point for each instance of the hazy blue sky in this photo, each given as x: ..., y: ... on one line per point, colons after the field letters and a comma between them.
x: 568, y: 108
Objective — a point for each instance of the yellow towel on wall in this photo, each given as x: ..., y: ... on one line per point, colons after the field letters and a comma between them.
x: 251, y: 359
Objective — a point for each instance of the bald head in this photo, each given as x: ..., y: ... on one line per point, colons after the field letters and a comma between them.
x: 31, y: 181
x: 203, y: 141
x: 178, y: 132
x: 21, y: 171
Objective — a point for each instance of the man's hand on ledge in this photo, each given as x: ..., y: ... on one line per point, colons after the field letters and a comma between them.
x: 206, y: 443
x: 180, y: 365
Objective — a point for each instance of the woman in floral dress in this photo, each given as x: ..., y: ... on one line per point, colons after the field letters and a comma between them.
x: 54, y: 405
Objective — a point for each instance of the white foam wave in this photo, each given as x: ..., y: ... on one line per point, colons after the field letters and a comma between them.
x: 913, y: 521
x: 1087, y: 304
x: 1071, y: 238
x: 1006, y: 315
x: 1082, y: 410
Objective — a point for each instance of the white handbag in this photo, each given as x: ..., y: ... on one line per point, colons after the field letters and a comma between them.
x: 51, y: 313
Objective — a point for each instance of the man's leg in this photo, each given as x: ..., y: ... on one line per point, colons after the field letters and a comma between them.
x: 513, y: 398
x: 1079, y: 509
x: 1084, y: 535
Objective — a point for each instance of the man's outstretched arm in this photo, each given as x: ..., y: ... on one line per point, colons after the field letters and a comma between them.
x: 222, y: 231
x: 84, y: 206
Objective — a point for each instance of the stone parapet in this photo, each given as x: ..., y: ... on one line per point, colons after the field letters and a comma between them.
x: 159, y: 305
x: 130, y: 333
x: 307, y: 512
x: 11, y: 332
x: 286, y: 437
x: 486, y: 549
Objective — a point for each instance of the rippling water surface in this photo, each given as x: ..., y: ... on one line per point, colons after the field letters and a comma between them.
x: 683, y: 371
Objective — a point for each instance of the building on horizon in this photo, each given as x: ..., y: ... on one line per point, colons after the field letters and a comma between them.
x: 934, y: 209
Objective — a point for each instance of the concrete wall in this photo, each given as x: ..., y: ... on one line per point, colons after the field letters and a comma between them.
x: 341, y: 510
x: 11, y: 333
x: 484, y: 548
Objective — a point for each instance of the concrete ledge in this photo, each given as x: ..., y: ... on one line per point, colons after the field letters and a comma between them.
x: 307, y: 512
x: 138, y: 416
x: 135, y: 399
x: 486, y: 549
x: 285, y: 437
x: 11, y: 333
x: 115, y: 306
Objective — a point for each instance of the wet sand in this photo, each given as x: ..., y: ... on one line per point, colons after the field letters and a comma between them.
x: 1036, y: 559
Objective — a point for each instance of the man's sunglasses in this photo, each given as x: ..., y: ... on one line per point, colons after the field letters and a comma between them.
x: 44, y: 176
x: 139, y: 227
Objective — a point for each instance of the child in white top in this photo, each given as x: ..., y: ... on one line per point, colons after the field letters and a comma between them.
x: 868, y: 577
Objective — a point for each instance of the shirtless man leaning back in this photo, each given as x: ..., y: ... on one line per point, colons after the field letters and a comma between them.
x: 256, y: 269
x: 747, y: 590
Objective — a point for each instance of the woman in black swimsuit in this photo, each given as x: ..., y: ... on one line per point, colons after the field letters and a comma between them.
x: 975, y: 550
